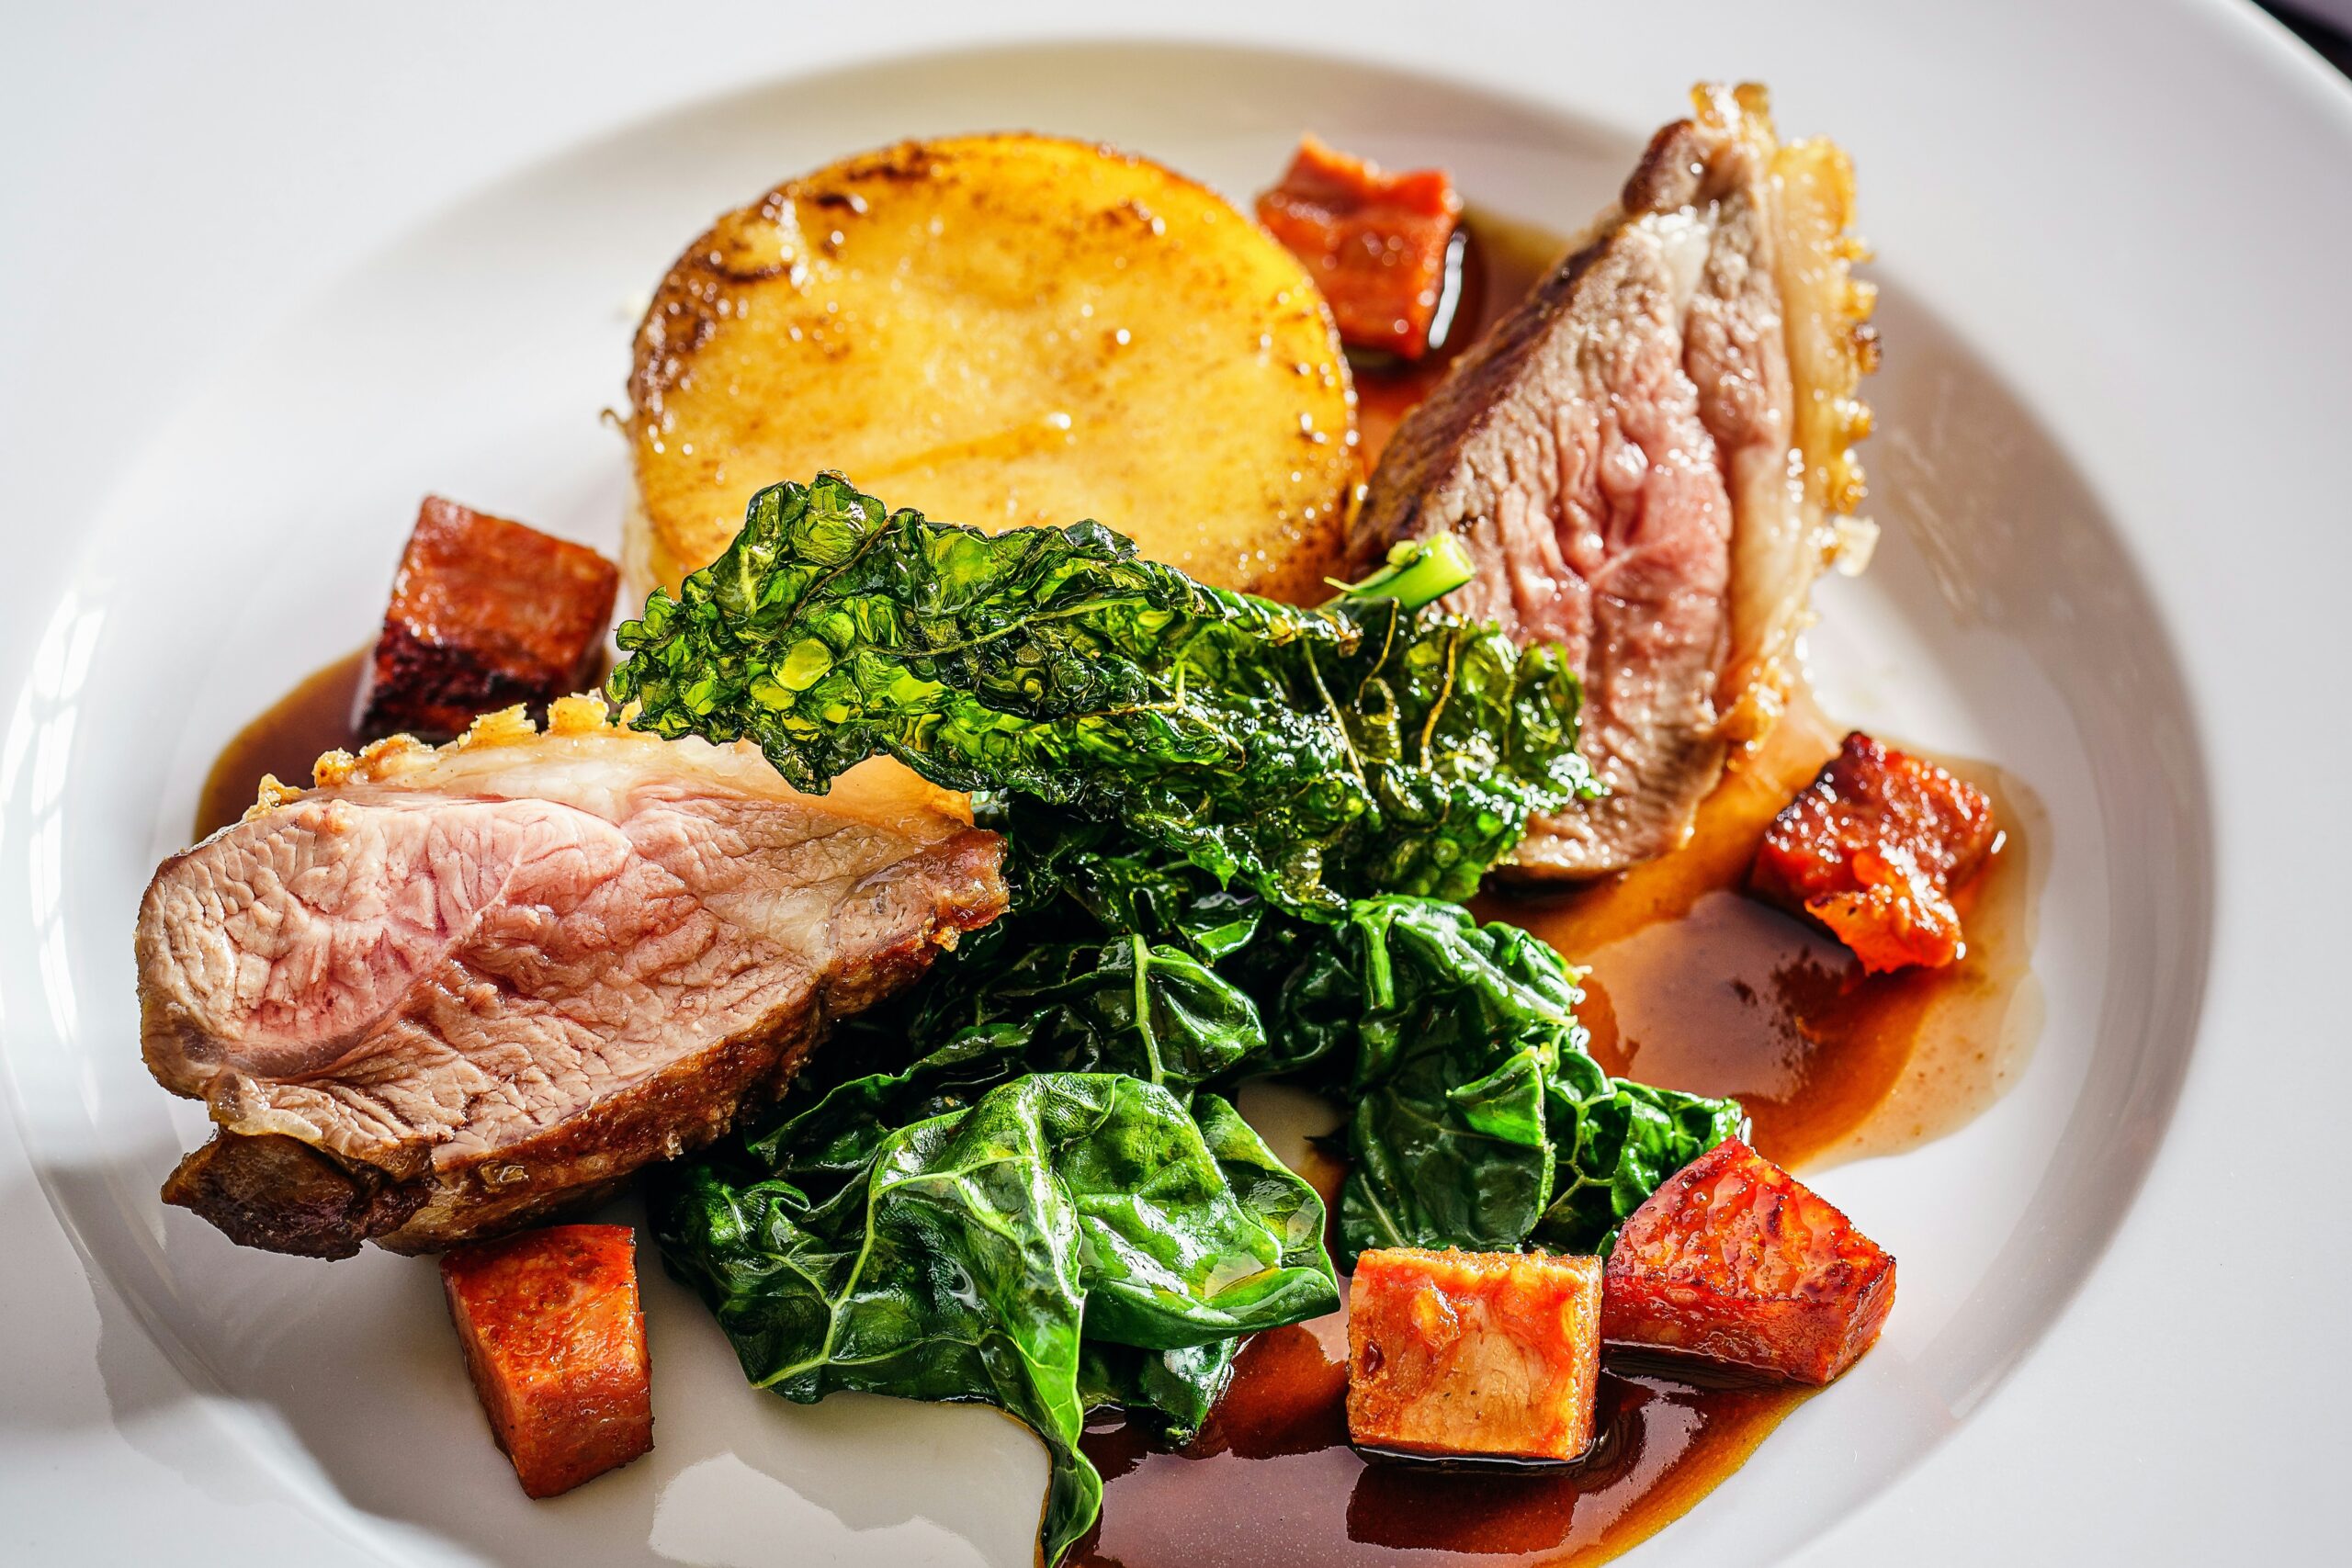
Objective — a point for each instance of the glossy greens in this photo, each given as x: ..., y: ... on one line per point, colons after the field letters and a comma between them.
x: 1232, y: 826
x: 977, y: 1254
x: 1478, y: 1119
x: 1315, y: 754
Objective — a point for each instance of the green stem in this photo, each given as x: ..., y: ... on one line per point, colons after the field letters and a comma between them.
x: 1418, y: 572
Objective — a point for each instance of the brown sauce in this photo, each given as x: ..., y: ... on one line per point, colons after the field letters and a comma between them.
x: 1272, y: 1481
x: 313, y: 719
x: 1694, y: 984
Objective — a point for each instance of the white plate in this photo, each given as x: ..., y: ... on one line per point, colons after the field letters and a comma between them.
x: 2110, y: 425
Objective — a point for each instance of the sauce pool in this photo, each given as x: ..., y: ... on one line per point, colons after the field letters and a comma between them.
x: 312, y: 719
x: 1690, y: 984
x: 1272, y: 1482
x: 1694, y: 984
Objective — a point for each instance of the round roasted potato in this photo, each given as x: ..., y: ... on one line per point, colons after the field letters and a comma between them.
x: 1001, y: 330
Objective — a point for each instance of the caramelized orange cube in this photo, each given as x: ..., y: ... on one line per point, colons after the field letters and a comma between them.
x: 1874, y: 849
x: 1375, y: 242
x: 485, y: 613
x: 1494, y: 1353
x: 555, y: 1343
x: 1734, y: 1260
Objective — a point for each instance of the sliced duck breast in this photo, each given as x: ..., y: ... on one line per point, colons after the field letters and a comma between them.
x: 1649, y: 460
x: 448, y: 992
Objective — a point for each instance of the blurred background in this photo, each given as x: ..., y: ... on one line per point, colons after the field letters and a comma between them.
x: 2326, y: 24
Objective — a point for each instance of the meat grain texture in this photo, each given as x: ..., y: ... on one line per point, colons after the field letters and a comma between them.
x: 1648, y: 459
x: 448, y: 992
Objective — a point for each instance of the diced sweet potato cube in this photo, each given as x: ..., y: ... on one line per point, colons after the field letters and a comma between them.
x: 1494, y: 1353
x: 1733, y: 1259
x: 556, y: 1344
x: 1874, y: 849
x: 1375, y: 242
x: 485, y: 614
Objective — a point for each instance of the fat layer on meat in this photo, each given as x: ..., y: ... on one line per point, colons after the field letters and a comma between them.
x: 449, y: 991
x: 1648, y: 459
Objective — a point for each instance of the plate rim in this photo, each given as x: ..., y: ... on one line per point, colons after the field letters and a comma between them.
x: 2336, y: 95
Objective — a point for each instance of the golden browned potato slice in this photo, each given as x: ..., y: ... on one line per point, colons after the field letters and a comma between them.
x: 1000, y: 330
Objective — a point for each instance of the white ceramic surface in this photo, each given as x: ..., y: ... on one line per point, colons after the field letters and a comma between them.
x: 2105, y: 466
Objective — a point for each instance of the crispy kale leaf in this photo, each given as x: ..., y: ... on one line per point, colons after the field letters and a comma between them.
x: 1075, y: 878
x: 978, y: 1254
x: 1479, y: 1120
x: 1318, y: 755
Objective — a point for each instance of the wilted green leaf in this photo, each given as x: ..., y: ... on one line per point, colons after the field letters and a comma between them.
x: 971, y: 1256
x: 1478, y: 1120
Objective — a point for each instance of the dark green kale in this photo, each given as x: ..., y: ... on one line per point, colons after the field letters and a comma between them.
x: 1478, y: 1119
x: 1617, y: 1141
x: 1118, y: 1005
x: 1017, y: 1182
x: 1317, y: 755
x: 978, y: 1254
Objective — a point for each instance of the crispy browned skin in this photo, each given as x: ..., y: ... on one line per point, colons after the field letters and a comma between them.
x: 1375, y: 242
x: 485, y: 613
x: 555, y: 1340
x: 1474, y: 1353
x: 1874, y: 849
x: 279, y: 1193
x: 1734, y: 1260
